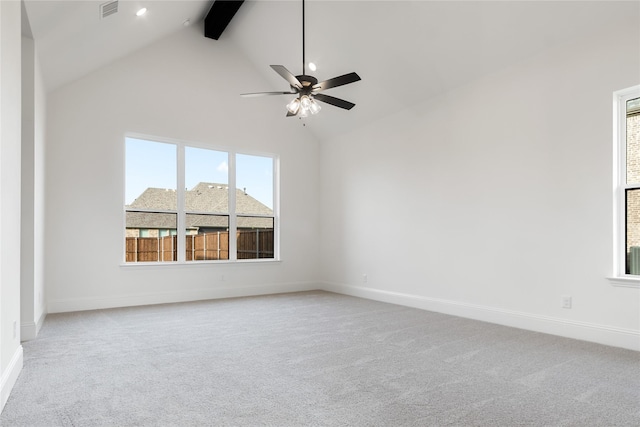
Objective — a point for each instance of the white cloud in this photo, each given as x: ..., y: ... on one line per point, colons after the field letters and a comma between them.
x: 223, y: 167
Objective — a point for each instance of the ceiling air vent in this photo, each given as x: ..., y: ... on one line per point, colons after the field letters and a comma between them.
x: 108, y: 8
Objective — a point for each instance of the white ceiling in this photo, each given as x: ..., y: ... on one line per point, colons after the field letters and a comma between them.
x: 405, y: 51
x: 72, y: 39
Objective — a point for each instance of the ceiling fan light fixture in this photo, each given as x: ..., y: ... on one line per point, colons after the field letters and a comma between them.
x: 305, y: 102
x: 314, y: 107
x: 294, y: 106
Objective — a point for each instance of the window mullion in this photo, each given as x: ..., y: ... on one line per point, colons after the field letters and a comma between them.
x: 276, y: 207
x: 233, y: 223
x: 181, y: 232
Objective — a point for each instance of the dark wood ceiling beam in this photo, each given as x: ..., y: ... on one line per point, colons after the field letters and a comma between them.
x: 219, y: 16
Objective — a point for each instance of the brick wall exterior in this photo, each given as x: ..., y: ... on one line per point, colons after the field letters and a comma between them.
x: 633, y: 149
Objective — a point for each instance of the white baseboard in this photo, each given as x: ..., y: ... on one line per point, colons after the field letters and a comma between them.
x: 40, y: 322
x: 82, y: 304
x: 602, y: 334
x: 10, y: 375
x: 29, y: 330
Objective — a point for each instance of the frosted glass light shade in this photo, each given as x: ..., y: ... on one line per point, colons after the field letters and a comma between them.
x: 314, y: 107
x: 294, y: 106
x: 305, y: 102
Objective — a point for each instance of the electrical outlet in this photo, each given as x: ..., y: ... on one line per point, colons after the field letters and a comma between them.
x: 566, y: 301
x: 364, y: 278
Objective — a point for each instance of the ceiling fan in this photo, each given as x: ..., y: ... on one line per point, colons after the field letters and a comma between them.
x: 308, y: 89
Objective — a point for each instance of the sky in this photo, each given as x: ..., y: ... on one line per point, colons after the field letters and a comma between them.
x: 153, y: 164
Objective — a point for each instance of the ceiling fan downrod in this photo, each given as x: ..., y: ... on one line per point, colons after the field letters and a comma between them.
x: 304, y: 63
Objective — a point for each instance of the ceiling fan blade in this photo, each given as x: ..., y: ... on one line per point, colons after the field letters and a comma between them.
x: 286, y: 74
x: 337, y: 81
x: 248, y: 95
x: 334, y: 101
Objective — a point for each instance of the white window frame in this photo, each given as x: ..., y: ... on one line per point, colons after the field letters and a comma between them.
x: 620, y: 98
x: 182, y: 212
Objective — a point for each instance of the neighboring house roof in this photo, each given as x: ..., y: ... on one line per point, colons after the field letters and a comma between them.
x: 204, y: 197
x: 151, y: 220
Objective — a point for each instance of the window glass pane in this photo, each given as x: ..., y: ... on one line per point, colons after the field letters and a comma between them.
x: 207, y: 237
x: 150, y: 184
x: 633, y: 141
x: 254, y: 179
x: 633, y: 231
x: 146, y: 237
x: 207, y: 180
x: 255, y: 238
x: 150, y: 181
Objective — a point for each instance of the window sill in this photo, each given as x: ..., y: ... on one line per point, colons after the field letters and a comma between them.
x: 190, y: 264
x: 625, y: 281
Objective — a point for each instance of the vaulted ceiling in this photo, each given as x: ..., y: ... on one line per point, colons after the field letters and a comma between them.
x: 405, y: 51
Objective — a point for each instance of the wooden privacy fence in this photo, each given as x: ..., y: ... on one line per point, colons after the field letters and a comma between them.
x: 151, y: 249
x: 207, y: 246
x: 254, y: 244
x: 251, y: 244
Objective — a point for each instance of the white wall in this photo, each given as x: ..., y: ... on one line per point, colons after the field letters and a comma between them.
x: 32, y: 209
x: 493, y: 200
x: 185, y: 87
x: 39, y: 191
x: 10, y: 348
x: 27, y: 294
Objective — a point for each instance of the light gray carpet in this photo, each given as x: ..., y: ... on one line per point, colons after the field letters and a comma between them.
x: 313, y: 359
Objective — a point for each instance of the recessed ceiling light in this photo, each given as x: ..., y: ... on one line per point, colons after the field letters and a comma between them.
x: 141, y: 11
x: 312, y: 66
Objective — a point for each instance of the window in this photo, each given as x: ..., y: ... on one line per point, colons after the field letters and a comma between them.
x: 206, y: 204
x: 164, y: 223
x: 254, y: 206
x: 627, y: 188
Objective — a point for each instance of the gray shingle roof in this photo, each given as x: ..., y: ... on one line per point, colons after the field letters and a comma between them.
x: 204, y: 197
x: 151, y: 220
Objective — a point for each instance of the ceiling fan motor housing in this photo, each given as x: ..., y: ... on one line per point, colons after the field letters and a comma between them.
x: 307, y: 84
